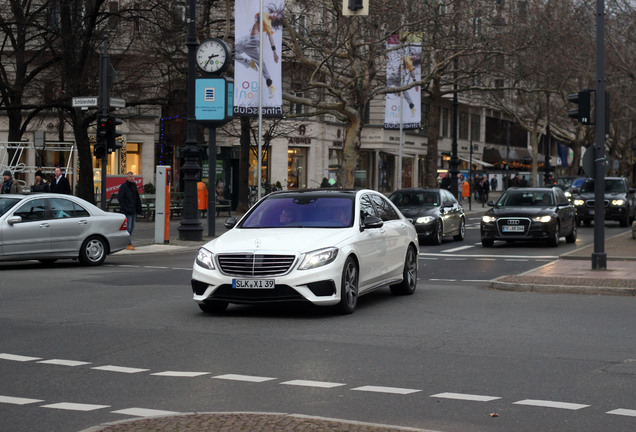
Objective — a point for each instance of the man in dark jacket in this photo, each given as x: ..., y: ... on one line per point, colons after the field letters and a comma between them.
x: 130, y: 204
x: 8, y: 185
x: 60, y: 183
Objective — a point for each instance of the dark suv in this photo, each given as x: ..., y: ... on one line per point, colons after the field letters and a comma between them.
x: 619, y: 202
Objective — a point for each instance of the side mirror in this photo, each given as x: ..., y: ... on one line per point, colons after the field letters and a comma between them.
x: 371, y: 222
x: 490, y: 203
x: 230, y: 222
x: 14, y: 220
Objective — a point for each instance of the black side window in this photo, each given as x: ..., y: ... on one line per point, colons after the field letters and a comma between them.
x: 366, y: 208
x: 33, y: 210
x: 383, y: 208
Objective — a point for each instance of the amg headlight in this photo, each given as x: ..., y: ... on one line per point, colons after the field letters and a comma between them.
x: 424, y: 220
x: 318, y: 258
x: 543, y: 219
x: 618, y: 202
x: 488, y: 219
x: 205, y: 259
x: 578, y: 202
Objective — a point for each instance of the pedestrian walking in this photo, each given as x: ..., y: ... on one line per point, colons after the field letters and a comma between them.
x: 40, y: 185
x: 466, y: 189
x: 129, y: 204
x: 60, y: 183
x: 485, y: 189
x: 8, y: 185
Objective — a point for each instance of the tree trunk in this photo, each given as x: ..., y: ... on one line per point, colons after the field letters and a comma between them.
x: 244, y: 165
x: 433, y: 135
x: 347, y: 171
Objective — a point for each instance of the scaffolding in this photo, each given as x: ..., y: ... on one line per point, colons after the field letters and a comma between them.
x: 22, y: 158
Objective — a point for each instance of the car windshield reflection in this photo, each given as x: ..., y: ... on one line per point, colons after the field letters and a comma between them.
x: 6, y: 204
x: 416, y: 199
x: 526, y: 198
x: 611, y: 186
x: 301, y: 211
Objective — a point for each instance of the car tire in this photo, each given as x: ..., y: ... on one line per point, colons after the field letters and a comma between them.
x: 213, y: 306
x: 487, y: 242
x: 462, y: 231
x: 349, y: 287
x: 438, y: 235
x: 554, y: 240
x: 93, y: 251
x: 571, y: 238
x: 409, y: 274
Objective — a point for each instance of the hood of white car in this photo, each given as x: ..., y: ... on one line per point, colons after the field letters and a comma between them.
x: 278, y: 239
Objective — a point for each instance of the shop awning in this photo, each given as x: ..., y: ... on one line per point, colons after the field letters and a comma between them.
x: 475, y: 161
x: 492, y: 156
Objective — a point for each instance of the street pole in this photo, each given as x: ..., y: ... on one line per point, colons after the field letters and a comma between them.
x: 546, y: 165
x: 454, y: 162
x: 212, y: 183
x: 190, y: 227
x: 470, y: 175
x: 104, y: 102
x: 599, y: 258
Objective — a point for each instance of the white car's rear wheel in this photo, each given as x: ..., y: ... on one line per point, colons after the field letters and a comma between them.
x: 409, y: 277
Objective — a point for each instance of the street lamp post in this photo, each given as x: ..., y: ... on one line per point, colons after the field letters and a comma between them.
x: 190, y: 227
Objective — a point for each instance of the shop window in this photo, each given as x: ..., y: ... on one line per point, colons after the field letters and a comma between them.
x: 296, y: 168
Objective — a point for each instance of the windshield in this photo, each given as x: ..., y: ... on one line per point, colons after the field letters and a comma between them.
x: 416, y: 199
x: 6, y: 204
x: 302, y: 211
x: 518, y: 198
x: 611, y: 186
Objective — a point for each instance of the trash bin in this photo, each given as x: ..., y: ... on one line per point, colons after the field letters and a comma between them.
x: 202, y: 195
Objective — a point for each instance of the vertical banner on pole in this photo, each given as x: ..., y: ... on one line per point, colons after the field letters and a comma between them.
x: 403, y: 67
x: 247, y: 58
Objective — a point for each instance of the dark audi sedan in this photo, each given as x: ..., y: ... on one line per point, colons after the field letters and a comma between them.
x: 523, y: 214
x: 434, y: 212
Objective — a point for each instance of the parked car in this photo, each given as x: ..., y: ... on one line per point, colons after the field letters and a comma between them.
x: 619, y: 201
x: 324, y: 246
x: 522, y: 214
x: 435, y: 213
x: 48, y: 227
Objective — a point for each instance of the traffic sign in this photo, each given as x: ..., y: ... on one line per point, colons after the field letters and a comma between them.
x: 117, y: 103
x: 90, y: 101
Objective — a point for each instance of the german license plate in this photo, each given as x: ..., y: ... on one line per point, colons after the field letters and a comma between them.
x: 253, y: 283
x: 512, y: 228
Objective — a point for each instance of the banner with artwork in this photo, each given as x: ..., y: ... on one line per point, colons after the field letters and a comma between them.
x: 403, y: 67
x: 247, y: 61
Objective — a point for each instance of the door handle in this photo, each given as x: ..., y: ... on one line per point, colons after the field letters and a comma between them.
x: 45, y: 225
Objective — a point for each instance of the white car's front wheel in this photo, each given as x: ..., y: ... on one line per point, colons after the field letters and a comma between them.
x: 349, y: 287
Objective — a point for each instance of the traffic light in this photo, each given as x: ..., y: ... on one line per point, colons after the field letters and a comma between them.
x: 99, y: 149
x: 582, y: 113
x: 112, y: 135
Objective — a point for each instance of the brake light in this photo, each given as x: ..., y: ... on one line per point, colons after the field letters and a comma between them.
x: 124, y: 226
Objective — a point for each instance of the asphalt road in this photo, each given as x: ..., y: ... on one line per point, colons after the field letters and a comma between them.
x: 83, y: 346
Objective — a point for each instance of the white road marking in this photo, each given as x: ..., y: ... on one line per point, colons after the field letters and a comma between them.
x: 458, y: 248
x: 18, y: 400
x: 444, y: 280
x: 121, y: 369
x: 248, y: 378
x: 305, y: 383
x: 20, y: 358
x: 61, y: 362
x: 180, y: 374
x: 464, y: 396
x: 623, y: 412
x: 156, y: 267
x: 381, y: 389
x: 144, y: 412
x: 75, y: 406
x: 551, y: 404
x: 497, y: 257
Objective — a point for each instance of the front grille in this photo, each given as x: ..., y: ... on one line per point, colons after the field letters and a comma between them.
x: 280, y: 293
x: 254, y: 265
x: 512, y: 222
x: 590, y: 203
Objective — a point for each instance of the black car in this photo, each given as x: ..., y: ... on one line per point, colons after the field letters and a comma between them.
x: 529, y: 214
x: 619, y: 201
x: 434, y: 212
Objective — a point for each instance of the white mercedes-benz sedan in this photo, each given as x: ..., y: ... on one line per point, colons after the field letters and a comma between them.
x: 325, y: 246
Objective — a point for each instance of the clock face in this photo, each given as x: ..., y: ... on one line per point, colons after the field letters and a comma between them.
x: 212, y: 55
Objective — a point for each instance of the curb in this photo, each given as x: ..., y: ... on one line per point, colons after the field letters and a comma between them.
x: 253, y: 421
x: 561, y: 289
